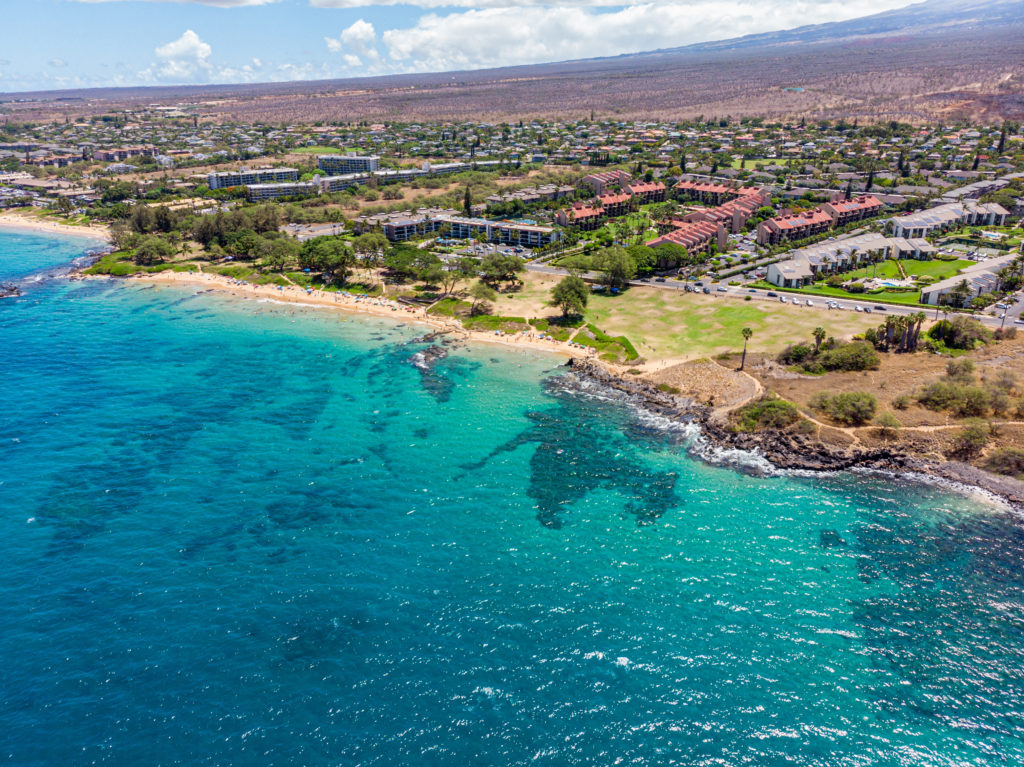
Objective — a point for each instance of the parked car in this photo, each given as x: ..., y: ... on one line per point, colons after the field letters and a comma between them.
x: 723, y: 289
x: 857, y: 308
x: 810, y: 302
x: 867, y: 310
x: 659, y: 279
x: 707, y: 290
x: 782, y: 299
x: 772, y: 294
x: 880, y: 308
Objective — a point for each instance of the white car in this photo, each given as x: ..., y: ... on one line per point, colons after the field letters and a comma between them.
x: 810, y: 302
x: 857, y: 308
x: 782, y: 299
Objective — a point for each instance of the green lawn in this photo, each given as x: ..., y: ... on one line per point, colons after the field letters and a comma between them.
x: 318, y: 150
x: 909, y: 298
x: 665, y: 324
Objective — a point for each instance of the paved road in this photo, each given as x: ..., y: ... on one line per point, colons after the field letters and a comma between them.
x: 741, y: 292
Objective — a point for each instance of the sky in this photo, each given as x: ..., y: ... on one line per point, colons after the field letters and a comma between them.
x: 56, y: 44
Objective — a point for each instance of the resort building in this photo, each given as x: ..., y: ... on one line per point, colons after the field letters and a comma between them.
x: 341, y: 164
x: 259, y: 192
x: 856, y: 209
x: 695, y: 237
x: 328, y: 184
x: 605, y: 181
x: 403, y: 227
x: 733, y: 215
x: 248, y: 177
x: 982, y: 277
x: 942, y: 218
x: 585, y: 216
x: 814, y: 262
x: 646, y: 191
x: 795, y: 226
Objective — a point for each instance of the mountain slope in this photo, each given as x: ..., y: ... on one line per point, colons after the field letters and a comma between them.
x: 932, y: 60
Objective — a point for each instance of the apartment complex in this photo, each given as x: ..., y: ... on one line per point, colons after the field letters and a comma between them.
x: 982, y: 277
x: 341, y: 164
x: 250, y: 176
x: 794, y: 226
x: 399, y: 228
x: 944, y: 217
x: 697, y: 237
x: 856, y: 209
x: 605, y: 181
x: 261, y: 192
x: 817, y: 261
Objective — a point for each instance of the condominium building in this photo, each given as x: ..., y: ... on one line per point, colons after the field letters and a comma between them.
x: 795, y: 226
x: 250, y: 176
x: 696, y: 237
x: 944, y: 217
x: 855, y: 209
x: 604, y: 181
x: 259, y: 192
x: 341, y: 164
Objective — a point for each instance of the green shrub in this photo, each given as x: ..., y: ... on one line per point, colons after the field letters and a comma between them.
x: 960, y: 333
x: 855, y: 355
x: 961, y: 371
x: 795, y: 354
x: 848, y: 408
x: 769, y: 412
x: 957, y: 398
x: 902, y: 402
x: 1008, y: 461
x: 970, y: 440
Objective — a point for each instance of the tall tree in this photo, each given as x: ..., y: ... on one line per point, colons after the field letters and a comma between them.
x: 570, y: 295
x: 747, y: 333
x: 467, y: 203
x: 819, y: 336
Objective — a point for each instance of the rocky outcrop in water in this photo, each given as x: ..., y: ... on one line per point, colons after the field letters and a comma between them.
x: 9, y: 290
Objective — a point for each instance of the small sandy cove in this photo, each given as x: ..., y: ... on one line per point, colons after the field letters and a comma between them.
x: 28, y: 222
x: 381, y: 307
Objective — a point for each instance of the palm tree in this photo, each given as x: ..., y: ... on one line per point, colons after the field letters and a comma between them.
x: 819, y: 336
x: 747, y: 333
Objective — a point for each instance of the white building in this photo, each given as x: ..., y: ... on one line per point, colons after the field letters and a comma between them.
x: 982, y: 277
x: 945, y: 217
x: 341, y: 164
x: 250, y: 176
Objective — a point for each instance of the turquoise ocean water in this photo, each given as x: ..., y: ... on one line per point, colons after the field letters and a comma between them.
x: 242, y: 533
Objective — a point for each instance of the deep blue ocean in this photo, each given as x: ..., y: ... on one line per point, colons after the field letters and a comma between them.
x: 244, y: 533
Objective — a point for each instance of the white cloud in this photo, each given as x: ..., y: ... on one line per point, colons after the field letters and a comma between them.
x: 359, y: 39
x: 59, y: 63
x: 184, y: 60
x: 493, y: 37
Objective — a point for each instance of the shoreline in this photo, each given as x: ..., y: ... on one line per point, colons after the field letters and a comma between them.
x: 783, y: 451
x: 351, y: 304
x: 788, y: 452
x: 33, y: 224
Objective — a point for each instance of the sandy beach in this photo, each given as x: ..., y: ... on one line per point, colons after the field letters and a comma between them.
x: 19, y: 220
x: 380, y: 307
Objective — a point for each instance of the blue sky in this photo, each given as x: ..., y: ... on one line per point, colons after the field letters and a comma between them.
x: 96, y: 43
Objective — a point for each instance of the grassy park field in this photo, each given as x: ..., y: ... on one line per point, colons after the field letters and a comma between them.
x: 671, y: 324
